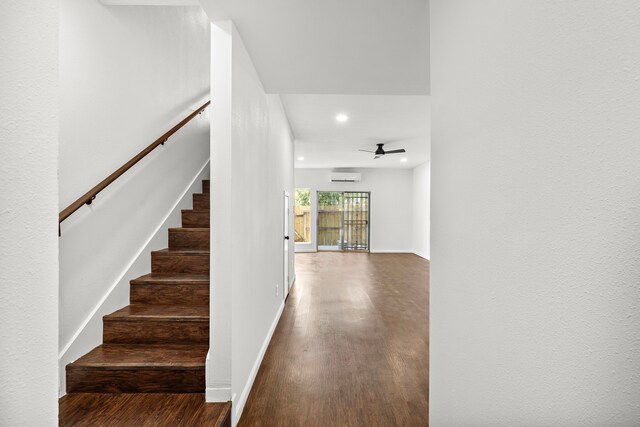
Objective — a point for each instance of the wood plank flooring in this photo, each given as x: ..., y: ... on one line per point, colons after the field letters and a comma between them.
x: 141, y: 410
x: 351, y: 348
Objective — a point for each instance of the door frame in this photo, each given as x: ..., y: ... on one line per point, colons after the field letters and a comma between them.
x: 286, y: 248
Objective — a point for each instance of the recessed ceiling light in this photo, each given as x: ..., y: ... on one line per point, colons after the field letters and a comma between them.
x: 301, y: 158
x: 403, y: 160
x: 342, y: 118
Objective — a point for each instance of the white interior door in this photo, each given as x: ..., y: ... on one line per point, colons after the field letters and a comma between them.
x: 285, y: 280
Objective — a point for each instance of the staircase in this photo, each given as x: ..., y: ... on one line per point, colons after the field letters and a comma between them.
x: 158, y: 343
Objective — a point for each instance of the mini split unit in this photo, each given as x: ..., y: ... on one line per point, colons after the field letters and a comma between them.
x: 345, y: 177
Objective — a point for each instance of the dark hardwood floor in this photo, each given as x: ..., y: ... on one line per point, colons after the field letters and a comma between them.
x: 351, y: 348
x: 141, y: 410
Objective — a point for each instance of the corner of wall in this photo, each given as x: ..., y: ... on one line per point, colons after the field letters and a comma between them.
x: 421, y: 210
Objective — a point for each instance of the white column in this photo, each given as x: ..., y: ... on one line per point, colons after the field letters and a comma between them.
x: 219, y: 359
x: 29, y: 213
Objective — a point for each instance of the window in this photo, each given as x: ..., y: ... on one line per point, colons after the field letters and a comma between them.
x: 302, y: 221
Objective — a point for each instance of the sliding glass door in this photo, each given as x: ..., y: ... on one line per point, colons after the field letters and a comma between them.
x: 355, y: 221
x: 343, y: 221
x: 329, y: 221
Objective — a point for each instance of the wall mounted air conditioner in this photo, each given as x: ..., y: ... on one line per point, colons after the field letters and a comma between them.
x: 345, y: 177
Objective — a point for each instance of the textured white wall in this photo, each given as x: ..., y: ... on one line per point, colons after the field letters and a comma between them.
x: 391, y: 206
x: 252, y: 166
x: 28, y: 213
x: 535, y: 270
x: 127, y: 75
x: 421, y: 212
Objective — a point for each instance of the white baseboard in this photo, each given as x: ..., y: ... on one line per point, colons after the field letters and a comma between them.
x: 150, y: 2
x: 421, y: 255
x: 238, y: 405
x: 391, y: 251
x: 220, y: 394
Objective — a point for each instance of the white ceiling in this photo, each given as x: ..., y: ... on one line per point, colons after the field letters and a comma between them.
x: 365, y: 58
x: 397, y: 121
x: 374, y: 53
x: 366, y: 47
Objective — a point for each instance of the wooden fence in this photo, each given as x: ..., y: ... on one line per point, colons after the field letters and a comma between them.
x: 302, y: 224
x: 329, y: 226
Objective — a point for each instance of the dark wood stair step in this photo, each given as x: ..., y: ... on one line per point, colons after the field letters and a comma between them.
x: 180, y: 261
x: 206, y: 186
x: 117, y: 368
x: 189, y: 238
x: 195, y: 219
x: 201, y: 202
x: 165, y: 289
x: 157, y: 324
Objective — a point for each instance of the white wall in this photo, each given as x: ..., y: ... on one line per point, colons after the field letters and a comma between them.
x: 28, y: 213
x: 219, y: 358
x: 421, y: 213
x: 252, y: 166
x: 535, y: 266
x: 127, y: 75
x: 391, y: 204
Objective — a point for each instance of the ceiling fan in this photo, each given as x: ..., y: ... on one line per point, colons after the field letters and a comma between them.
x: 380, y: 151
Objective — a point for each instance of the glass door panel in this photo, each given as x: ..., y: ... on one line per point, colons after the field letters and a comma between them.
x: 355, y: 214
x: 343, y: 221
x: 329, y: 221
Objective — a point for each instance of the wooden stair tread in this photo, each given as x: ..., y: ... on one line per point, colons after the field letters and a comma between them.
x: 128, y: 356
x: 173, y: 279
x: 201, y: 201
x: 197, y: 211
x: 178, y: 260
x: 170, y: 289
x: 136, y: 312
x: 189, y: 238
x: 196, y: 218
x: 190, y: 229
x: 181, y: 251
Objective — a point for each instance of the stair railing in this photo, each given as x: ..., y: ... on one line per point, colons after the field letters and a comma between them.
x: 89, y: 196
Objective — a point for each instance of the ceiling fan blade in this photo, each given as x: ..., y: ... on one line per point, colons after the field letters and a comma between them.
x: 402, y: 150
x: 367, y: 151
